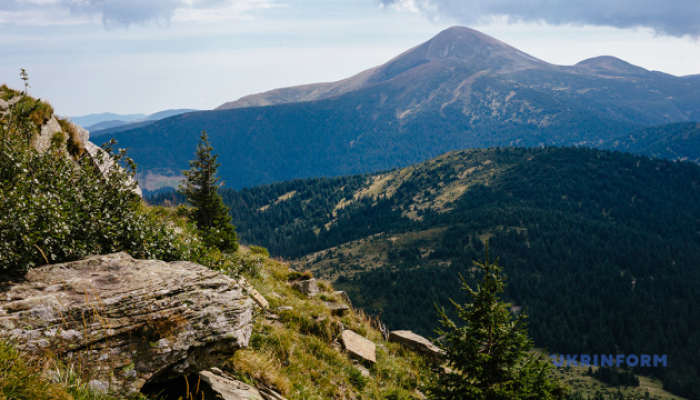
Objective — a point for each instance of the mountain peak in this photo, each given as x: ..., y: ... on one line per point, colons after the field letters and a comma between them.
x: 610, y: 64
x: 477, y: 51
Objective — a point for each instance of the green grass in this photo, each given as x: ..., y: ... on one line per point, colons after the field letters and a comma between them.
x: 23, y: 377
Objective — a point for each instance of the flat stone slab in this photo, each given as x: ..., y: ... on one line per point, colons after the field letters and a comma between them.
x: 416, y: 343
x: 337, y: 308
x: 358, y: 346
x: 224, y: 388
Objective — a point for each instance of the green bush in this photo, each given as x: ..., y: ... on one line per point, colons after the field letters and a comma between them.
x: 259, y: 250
x: 53, y: 209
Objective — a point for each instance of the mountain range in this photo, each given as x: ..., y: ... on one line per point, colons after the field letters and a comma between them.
x: 107, y: 123
x: 461, y: 89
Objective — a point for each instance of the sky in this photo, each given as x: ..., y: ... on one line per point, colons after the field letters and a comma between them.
x: 144, y: 56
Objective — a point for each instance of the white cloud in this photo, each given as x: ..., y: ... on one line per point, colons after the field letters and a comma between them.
x: 667, y: 17
x: 123, y: 13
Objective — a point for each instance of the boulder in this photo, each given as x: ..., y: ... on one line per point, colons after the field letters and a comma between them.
x: 126, y: 321
x: 416, y: 343
x: 308, y: 287
x: 358, y: 346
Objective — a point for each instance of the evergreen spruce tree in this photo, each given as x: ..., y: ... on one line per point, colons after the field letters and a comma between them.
x: 201, y: 187
x: 487, y: 353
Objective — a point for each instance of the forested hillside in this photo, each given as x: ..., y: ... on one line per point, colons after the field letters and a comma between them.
x: 679, y: 141
x: 601, y: 247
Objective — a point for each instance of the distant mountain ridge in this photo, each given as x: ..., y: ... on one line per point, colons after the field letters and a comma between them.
x: 461, y: 89
x: 99, y: 124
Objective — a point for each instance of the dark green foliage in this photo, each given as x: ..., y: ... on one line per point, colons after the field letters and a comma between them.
x: 53, y: 209
x: 259, y: 250
x: 616, y: 377
x: 679, y: 141
x: 201, y: 189
x: 487, y: 349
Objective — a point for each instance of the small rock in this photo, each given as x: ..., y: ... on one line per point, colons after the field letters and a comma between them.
x: 98, y: 386
x: 272, y: 316
x: 308, y: 287
x: 364, y: 371
x: 416, y: 343
x: 270, y: 394
x: 218, y: 386
x: 254, y: 294
x: 285, y: 308
x: 344, y: 296
x: 358, y: 346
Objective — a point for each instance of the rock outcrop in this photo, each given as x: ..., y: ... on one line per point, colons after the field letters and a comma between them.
x: 128, y: 321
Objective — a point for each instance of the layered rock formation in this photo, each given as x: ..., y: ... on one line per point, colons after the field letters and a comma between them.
x: 128, y: 321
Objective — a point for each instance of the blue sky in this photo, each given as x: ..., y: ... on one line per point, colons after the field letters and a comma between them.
x: 143, y: 56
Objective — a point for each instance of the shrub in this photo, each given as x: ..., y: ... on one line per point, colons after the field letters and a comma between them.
x: 299, y: 276
x: 53, y: 209
x: 259, y: 250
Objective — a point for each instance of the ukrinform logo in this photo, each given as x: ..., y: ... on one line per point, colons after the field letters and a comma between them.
x: 609, y: 360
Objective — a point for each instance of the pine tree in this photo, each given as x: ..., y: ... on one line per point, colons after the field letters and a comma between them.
x: 201, y: 187
x: 487, y: 355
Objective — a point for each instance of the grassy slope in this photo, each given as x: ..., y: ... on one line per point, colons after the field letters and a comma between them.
x: 297, y: 353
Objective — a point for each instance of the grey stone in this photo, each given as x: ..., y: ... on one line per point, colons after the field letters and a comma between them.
x: 103, y: 163
x: 270, y: 394
x: 3, y: 104
x: 225, y: 388
x: 115, y: 314
x: 43, y: 141
x: 359, y: 347
x: 416, y: 343
x: 344, y: 296
x: 363, y: 371
x: 308, y: 287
